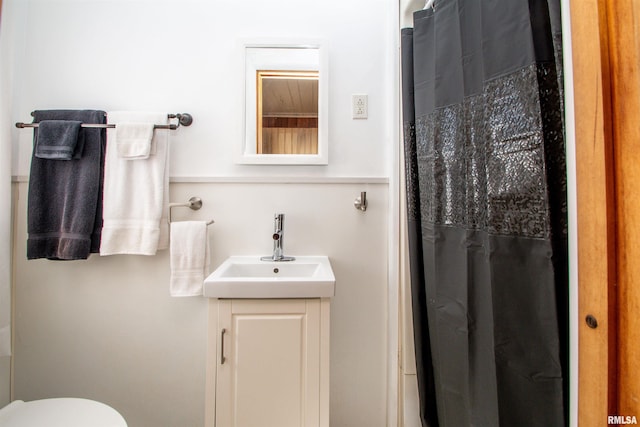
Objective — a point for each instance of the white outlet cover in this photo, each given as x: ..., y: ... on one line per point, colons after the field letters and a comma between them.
x: 359, y: 106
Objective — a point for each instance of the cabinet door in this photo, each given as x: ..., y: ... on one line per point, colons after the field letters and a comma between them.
x: 268, y: 372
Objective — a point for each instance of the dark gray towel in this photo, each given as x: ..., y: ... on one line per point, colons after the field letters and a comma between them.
x: 65, y: 197
x: 57, y: 139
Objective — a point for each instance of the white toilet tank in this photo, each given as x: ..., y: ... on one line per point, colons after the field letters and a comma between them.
x: 60, y: 412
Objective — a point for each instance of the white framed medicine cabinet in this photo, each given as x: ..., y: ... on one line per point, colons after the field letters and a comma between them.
x: 285, y: 106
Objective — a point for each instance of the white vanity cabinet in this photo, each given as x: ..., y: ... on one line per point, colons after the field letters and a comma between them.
x: 271, y: 363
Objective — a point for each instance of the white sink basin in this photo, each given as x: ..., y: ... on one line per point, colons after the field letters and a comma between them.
x: 249, y: 277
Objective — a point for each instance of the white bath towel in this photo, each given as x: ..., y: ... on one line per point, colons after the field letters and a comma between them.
x: 134, y: 140
x: 189, y: 254
x: 136, y: 193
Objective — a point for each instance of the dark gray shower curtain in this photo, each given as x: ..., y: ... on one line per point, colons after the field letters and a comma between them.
x: 486, y: 201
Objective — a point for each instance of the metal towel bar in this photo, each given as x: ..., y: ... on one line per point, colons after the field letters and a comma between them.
x: 194, y: 203
x: 184, y: 119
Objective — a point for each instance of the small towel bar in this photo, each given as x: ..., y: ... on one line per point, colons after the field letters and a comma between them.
x: 194, y: 203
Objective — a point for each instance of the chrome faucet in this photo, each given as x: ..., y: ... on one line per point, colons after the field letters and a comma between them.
x: 278, y: 235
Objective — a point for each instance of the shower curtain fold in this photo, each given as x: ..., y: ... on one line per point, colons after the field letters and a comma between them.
x: 424, y: 367
x: 486, y: 197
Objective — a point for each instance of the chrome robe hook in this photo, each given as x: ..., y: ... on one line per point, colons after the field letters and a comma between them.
x: 361, y: 201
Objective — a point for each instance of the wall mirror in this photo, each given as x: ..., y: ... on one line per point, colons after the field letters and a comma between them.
x: 285, y: 105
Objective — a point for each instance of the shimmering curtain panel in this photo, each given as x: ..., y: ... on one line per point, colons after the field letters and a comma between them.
x: 486, y: 197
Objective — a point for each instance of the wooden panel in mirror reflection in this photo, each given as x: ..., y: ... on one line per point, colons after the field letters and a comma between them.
x: 288, y: 140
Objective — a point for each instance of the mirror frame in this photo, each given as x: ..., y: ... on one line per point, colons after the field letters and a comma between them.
x: 310, y: 55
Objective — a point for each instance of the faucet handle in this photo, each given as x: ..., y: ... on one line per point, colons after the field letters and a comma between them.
x: 278, y: 219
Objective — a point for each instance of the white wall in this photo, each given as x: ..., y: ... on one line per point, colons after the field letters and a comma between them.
x: 185, y: 56
x: 6, y: 47
x: 106, y: 328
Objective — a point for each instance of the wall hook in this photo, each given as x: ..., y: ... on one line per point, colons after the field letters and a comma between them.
x: 361, y: 201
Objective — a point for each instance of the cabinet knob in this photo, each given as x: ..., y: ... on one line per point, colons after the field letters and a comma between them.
x: 592, y: 322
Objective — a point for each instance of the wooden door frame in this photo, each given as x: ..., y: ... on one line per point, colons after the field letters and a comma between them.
x: 605, y: 49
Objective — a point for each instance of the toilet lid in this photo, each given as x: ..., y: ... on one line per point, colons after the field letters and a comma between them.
x: 61, y: 412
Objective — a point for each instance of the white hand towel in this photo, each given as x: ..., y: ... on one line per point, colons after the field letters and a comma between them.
x: 134, y: 140
x: 136, y: 192
x: 189, y: 257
